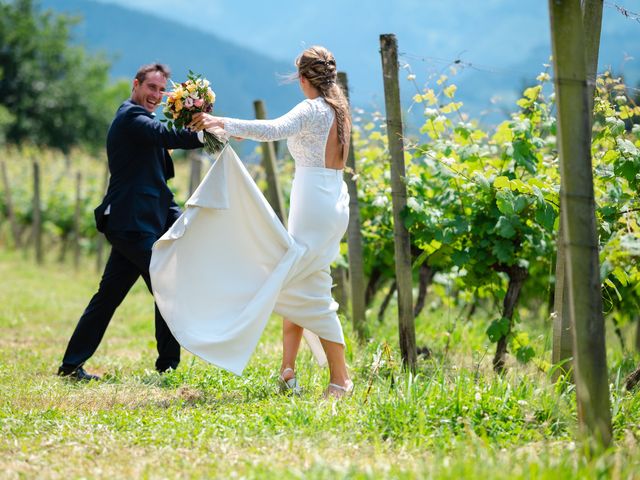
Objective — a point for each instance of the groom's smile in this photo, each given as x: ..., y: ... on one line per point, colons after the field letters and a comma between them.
x: 148, y: 93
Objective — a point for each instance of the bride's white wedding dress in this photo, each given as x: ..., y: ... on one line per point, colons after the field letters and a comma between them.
x: 228, y: 262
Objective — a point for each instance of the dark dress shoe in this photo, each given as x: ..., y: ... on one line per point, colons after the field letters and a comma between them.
x: 79, y: 374
x: 168, y: 369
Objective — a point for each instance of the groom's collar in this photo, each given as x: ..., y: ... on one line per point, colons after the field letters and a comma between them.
x: 153, y: 114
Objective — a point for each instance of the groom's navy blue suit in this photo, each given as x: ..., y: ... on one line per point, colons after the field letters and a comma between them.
x: 137, y: 209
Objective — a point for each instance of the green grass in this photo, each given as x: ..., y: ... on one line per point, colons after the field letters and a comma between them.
x: 453, y: 419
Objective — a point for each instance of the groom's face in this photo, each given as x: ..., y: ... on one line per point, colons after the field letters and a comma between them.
x: 148, y: 94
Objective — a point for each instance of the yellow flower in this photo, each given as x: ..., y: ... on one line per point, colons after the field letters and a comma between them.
x: 211, y: 96
x: 177, y: 93
x: 191, y: 87
x: 178, y: 105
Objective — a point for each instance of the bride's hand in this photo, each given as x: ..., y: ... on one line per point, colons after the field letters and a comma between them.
x: 204, y: 121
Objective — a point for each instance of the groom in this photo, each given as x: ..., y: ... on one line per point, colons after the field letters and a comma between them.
x: 137, y: 209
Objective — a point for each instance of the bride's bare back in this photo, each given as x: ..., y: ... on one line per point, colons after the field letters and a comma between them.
x: 335, y: 155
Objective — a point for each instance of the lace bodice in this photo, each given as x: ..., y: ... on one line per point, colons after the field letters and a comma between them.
x: 306, y: 128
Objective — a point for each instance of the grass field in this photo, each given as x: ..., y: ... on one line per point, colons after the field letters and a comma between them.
x: 453, y: 419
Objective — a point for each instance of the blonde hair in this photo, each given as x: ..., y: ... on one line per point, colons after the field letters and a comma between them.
x: 318, y: 65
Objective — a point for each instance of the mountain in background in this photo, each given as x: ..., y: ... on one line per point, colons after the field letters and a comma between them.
x: 496, y: 46
x: 130, y: 38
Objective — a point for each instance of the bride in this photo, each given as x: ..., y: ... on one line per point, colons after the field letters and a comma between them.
x: 228, y: 262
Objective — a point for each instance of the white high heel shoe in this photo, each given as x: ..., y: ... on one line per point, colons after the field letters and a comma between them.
x: 289, y: 385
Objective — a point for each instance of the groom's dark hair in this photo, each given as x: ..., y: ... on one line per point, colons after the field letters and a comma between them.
x: 141, y: 74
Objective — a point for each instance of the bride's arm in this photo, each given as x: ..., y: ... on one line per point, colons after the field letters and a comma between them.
x: 260, y: 130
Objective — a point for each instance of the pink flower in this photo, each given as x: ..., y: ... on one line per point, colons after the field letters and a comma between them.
x: 188, y: 103
x: 198, y: 103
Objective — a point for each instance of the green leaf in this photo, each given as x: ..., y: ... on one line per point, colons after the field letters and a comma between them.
x: 482, y: 180
x: 505, y: 201
x: 612, y: 285
x: 421, y: 259
x: 524, y: 156
x: 501, y: 182
x: 521, y: 203
x: 448, y: 235
x: 460, y: 258
x: 429, y: 96
x: 451, y: 107
x: 524, y: 354
x: 628, y: 169
x: 460, y: 225
x: 611, y: 156
x: 503, y: 251
x: 450, y: 91
x: 546, y: 216
x: 616, y: 125
x: 627, y: 147
x: 504, y: 227
x: 498, y: 329
x: 503, y: 134
x: 533, y: 92
x: 621, y: 276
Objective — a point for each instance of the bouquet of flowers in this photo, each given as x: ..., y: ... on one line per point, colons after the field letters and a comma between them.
x: 188, y: 98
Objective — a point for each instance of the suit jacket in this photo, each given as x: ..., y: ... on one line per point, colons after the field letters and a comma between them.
x: 140, y: 166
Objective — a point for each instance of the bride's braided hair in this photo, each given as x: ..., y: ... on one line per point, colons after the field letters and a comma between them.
x: 318, y: 65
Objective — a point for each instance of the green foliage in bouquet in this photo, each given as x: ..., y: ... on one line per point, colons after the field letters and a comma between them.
x: 188, y: 98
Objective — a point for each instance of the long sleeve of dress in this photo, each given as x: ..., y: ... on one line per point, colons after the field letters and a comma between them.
x: 270, y: 130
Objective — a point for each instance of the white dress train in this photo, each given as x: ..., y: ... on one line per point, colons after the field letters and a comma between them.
x: 228, y: 262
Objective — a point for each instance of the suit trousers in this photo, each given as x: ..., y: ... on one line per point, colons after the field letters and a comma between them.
x: 129, y: 259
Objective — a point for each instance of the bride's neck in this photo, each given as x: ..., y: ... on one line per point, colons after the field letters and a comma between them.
x: 311, y: 92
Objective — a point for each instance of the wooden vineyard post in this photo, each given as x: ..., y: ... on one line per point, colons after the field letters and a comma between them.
x: 76, y: 222
x: 402, y: 247
x: 9, y: 204
x: 578, y: 218
x: 37, y: 214
x: 562, y: 334
x: 562, y: 349
x: 274, y: 192
x: 354, y: 236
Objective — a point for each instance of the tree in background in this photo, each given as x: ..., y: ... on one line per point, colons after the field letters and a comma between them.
x: 51, y: 92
